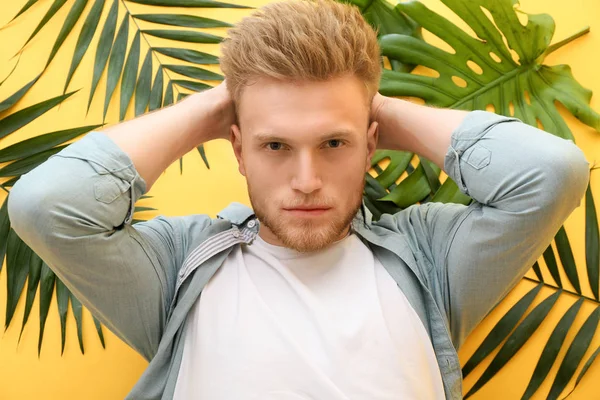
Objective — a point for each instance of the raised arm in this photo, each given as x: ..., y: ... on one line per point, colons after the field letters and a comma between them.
x: 170, y: 133
x: 524, y: 182
x: 75, y: 211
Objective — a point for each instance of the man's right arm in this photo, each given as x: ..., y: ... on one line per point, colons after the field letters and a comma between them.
x: 75, y: 211
x: 155, y: 140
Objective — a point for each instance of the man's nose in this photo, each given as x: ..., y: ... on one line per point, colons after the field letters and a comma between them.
x: 306, y: 177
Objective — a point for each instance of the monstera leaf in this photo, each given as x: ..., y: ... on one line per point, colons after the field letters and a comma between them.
x: 387, y: 19
x: 500, y: 69
x: 482, y: 70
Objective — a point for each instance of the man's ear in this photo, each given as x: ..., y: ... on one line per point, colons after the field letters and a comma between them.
x: 236, y: 142
x: 372, y: 137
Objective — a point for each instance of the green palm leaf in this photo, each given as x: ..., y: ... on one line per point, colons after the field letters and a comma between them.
x: 84, y: 38
x: 575, y: 353
x: 42, y: 143
x: 33, y: 280
x: 184, y: 36
x: 592, y: 238
x: 566, y: 258
x: 585, y: 368
x: 516, y: 340
x: 187, y: 3
x: 143, y: 86
x: 62, y: 300
x: 77, y: 313
x: 70, y: 22
x: 193, y: 56
x: 156, y: 93
x: 104, y: 47
x: 24, y: 8
x: 57, y: 5
x: 47, y: 280
x: 129, y: 80
x: 116, y: 61
x: 556, y: 341
x: 188, y: 21
x: 11, y: 100
x: 553, y: 346
x: 22, y: 117
x: 550, y: 260
x: 501, y: 330
x: 18, y: 256
x: 194, y: 72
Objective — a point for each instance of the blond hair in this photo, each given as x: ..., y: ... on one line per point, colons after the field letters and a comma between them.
x: 301, y: 40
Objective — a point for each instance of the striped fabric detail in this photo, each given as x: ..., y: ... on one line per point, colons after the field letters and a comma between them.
x: 210, y: 247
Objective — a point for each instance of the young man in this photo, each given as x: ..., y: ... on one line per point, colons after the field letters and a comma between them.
x: 303, y: 297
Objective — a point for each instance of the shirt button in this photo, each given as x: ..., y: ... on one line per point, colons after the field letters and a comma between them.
x: 236, y: 234
x: 251, y: 223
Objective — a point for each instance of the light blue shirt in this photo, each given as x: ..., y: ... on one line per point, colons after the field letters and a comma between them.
x: 452, y: 262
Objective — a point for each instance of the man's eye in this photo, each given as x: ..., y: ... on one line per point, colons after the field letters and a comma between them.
x: 274, y: 146
x: 333, y: 143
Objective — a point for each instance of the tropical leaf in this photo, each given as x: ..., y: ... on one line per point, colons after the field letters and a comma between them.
x: 10, y: 101
x: 188, y: 21
x: 42, y: 143
x: 553, y: 346
x: 103, y: 49
x: 592, y: 238
x: 115, y: 63
x: 47, y: 280
x: 187, y: 3
x: 123, y: 62
x: 515, y: 341
x: 33, y: 279
x: 22, y: 264
x: 13, y: 122
x: 501, y: 330
x: 482, y: 71
x: 70, y: 22
x: 18, y: 256
x: 387, y: 19
x: 56, y: 5
x: 556, y: 342
x: 77, y: 313
x: 575, y: 353
x: 62, y: 300
x: 84, y: 38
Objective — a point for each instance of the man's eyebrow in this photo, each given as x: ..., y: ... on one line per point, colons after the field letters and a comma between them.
x: 339, y: 134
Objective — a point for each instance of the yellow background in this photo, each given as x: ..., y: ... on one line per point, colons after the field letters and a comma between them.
x: 110, y: 373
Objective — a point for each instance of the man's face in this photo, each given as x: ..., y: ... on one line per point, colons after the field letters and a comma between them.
x: 304, y: 150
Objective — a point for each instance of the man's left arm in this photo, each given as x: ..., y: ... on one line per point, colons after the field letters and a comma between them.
x: 524, y: 182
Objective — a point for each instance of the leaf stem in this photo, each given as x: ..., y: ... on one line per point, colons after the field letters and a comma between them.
x: 564, y: 290
x: 560, y: 44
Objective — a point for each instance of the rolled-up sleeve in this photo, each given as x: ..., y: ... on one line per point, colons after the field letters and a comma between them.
x: 74, y: 211
x: 525, y: 183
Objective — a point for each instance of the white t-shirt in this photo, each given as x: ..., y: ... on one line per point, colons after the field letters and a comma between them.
x: 276, y: 324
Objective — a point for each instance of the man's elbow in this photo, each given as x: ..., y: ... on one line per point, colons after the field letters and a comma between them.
x: 28, y: 209
x: 569, y: 175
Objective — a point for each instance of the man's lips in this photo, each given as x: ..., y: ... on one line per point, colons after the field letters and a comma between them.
x: 305, y: 211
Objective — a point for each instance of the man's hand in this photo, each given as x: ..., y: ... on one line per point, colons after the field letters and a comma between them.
x: 215, y: 106
x: 155, y: 140
x: 376, y: 105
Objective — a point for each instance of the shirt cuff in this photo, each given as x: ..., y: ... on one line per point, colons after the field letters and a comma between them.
x: 475, y: 125
x: 107, y: 158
